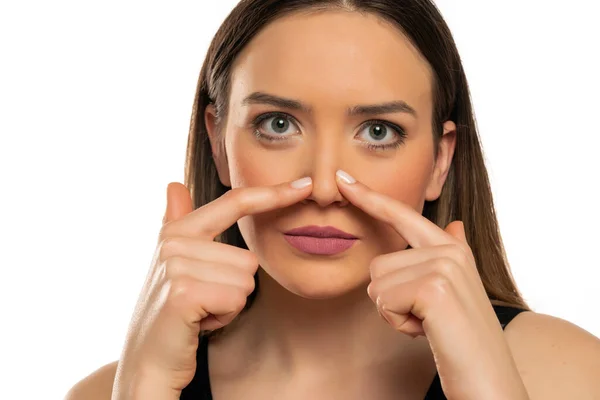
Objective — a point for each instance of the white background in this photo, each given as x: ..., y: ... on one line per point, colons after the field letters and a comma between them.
x: 95, y: 101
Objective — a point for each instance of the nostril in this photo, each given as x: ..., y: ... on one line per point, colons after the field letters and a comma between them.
x: 340, y: 203
x: 325, y: 192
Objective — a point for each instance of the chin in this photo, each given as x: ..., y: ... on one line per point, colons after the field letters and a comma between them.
x: 318, y: 290
x: 318, y: 279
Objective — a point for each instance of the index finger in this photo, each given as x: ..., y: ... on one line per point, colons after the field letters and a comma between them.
x: 215, y: 217
x: 417, y: 230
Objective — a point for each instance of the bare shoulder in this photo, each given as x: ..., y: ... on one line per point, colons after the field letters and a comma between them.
x: 556, y: 358
x: 96, y: 386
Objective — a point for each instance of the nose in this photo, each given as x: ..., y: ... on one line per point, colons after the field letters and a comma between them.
x: 323, y: 162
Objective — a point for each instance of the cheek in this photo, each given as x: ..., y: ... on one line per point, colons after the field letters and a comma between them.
x: 250, y: 165
x: 404, y: 177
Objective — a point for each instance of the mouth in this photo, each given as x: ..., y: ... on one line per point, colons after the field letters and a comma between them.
x: 326, y: 240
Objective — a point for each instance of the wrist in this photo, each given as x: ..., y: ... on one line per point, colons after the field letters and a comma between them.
x: 142, y: 384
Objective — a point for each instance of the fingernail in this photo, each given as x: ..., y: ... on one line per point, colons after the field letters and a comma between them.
x: 383, y: 312
x: 301, y: 183
x: 345, y: 177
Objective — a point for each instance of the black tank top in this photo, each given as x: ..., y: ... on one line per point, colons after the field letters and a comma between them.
x: 199, y: 387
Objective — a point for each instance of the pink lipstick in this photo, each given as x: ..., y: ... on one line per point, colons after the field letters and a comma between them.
x: 322, y: 240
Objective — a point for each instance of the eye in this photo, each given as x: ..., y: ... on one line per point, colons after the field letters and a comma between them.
x: 381, y: 135
x: 274, y: 126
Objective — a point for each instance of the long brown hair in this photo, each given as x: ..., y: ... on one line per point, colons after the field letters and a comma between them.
x: 466, y: 194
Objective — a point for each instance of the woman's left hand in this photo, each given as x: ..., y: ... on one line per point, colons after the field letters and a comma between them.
x: 434, y: 289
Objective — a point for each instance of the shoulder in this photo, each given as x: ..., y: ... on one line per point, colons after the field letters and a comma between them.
x: 96, y: 386
x: 556, y: 358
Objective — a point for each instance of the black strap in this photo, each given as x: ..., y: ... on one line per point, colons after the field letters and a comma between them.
x: 506, y: 314
x: 199, y: 387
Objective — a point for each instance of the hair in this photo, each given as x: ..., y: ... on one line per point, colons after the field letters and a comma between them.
x: 466, y: 194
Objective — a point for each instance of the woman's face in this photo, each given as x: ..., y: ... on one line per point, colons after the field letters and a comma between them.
x: 327, y: 64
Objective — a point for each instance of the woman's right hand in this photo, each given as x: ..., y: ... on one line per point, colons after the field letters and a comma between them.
x: 193, y: 284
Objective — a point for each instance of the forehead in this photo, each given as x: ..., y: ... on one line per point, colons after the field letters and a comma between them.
x: 333, y: 57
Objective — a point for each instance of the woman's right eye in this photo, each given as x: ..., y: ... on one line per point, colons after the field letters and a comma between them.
x: 274, y: 126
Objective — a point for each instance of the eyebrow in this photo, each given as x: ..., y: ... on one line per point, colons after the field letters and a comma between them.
x: 363, y: 109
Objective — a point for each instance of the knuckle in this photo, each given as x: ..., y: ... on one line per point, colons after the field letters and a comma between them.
x: 235, y: 300
x: 248, y: 284
x: 248, y: 259
x: 376, y: 265
x: 235, y: 195
x: 438, y: 287
x: 374, y: 289
x: 168, y: 247
x: 238, y: 299
x: 230, y: 193
x: 238, y: 198
x: 173, y: 267
x: 445, y: 266
x: 179, y: 290
x: 242, y: 203
x: 461, y: 252
x: 166, y: 231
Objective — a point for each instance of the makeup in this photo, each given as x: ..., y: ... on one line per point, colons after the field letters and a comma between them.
x: 326, y: 240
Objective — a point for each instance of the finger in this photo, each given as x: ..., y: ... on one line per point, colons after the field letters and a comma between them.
x: 411, y: 325
x: 398, y: 303
x: 208, y: 251
x: 443, y: 268
x: 179, y: 202
x: 389, y: 262
x: 386, y: 263
x: 393, y: 279
x: 429, y: 293
x: 215, y: 217
x: 417, y: 230
x: 195, y: 300
x: 224, y: 274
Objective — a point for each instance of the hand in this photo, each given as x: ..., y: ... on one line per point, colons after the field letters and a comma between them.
x: 193, y: 284
x: 434, y: 289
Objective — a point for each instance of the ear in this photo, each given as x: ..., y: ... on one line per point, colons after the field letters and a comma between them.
x: 442, y: 163
x: 217, y: 144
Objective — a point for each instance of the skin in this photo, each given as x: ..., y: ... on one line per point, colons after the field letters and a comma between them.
x: 294, y: 286
x: 295, y: 339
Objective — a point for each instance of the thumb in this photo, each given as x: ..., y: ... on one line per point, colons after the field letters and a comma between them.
x: 457, y: 229
x: 179, y: 202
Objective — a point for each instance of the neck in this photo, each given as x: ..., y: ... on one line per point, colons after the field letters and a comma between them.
x: 344, y: 333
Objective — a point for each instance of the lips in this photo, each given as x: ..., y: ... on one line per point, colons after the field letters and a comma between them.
x: 325, y: 240
x: 320, y: 232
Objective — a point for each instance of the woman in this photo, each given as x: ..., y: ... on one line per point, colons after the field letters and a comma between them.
x: 333, y: 144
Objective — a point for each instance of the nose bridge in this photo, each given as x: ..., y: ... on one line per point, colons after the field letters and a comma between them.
x: 326, y: 157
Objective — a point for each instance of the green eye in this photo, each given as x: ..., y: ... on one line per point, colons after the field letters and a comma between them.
x: 276, y: 129
x: 381, y: 135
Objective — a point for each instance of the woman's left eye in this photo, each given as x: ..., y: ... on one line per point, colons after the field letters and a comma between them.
x: 381, y: 135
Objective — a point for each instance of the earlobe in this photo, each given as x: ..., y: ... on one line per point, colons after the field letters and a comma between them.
x: 217, y: 144
x: 443, y: 162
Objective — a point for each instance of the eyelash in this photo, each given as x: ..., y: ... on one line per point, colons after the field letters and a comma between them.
x: 398, y: 130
